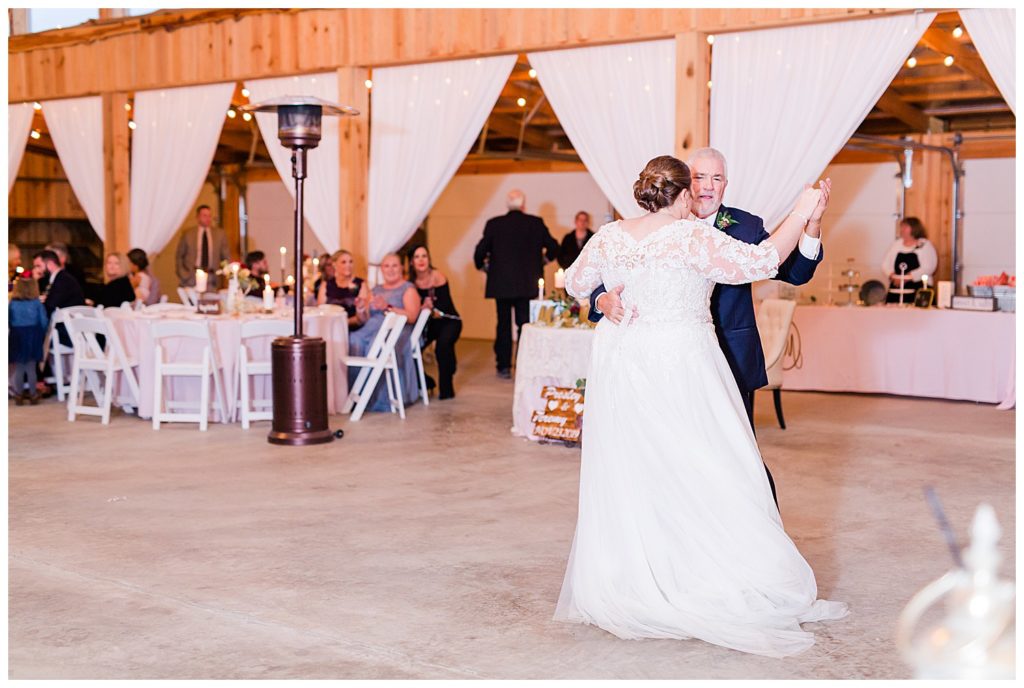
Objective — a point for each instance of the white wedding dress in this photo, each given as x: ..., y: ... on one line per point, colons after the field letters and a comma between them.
x: 677, y: 534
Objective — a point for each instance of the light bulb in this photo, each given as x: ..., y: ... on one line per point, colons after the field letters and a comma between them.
x: 37, y: 106
x: 532, y: 73
x: 711, y: 39
x: 246, y: 116
x: 35, y: 134
x: 127, y: 107
x: 521, y: 102
x: 231, y: 113
x: 958, y: 32
x: 131, y: 124
x: 245, y: 93
x: 948, y: 61
x: 912, y: 62
x: 368, y: 83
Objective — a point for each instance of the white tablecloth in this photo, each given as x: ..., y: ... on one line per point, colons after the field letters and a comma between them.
x: 135, y: 331
x: 547, y: 356
x: 939, y: 353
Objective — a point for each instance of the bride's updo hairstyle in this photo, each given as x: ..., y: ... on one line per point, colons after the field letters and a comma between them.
x: 661, y: 182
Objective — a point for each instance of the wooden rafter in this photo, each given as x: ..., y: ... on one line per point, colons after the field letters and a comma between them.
x: 943, y: 42
x: 892, y: 104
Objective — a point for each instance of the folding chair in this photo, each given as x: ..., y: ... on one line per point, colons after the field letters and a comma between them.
x: 90, y: 356
x: 56, y: 351
x: 205, y: 368
x: 249, y: 407
x: 380, y: 359
x: 417, y: 352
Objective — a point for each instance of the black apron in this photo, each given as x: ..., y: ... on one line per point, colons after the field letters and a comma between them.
x: 905, y: 263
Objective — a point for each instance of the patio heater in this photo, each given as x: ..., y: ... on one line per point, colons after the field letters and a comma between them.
x: 299, y: 363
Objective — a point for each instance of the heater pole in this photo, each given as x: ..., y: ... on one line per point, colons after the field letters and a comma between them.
x: 299, y: 172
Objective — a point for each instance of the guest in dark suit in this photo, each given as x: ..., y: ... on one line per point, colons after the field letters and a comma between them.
x: 732, y: 306
x: 574, y: 241
x: 513, y: 251
x: 62, y: 290
x: 66, y: 264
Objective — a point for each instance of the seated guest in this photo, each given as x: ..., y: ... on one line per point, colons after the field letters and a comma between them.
x: 396, y: 295
x: 445, y: 326
x: 117, y: 287
x: 574, y: 241
x: 326, y: 266
x: 62, y: 290
x: 346, y: 290
x: 908, y: 259
x: 258, y: 266
x: 146, y: 285
x: 66, y: 264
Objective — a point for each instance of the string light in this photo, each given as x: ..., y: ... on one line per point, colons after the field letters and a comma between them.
x: 245, y: 93
x: 37, y: 106
x: 709, y: 83
x: 912, y: 62
x: 521, y: 102
x: 368, y: 83
x: 131, y: 124
x: 246, y: 116
x: 127, y: 107
x: 532, y: 73
x: 958, y: 32
x: 35, y: 134
x: 232, y: 113
x: 948, y: 61
x: 711, y: 39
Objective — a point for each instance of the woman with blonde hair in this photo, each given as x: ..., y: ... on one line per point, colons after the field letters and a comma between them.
x: 345, y: 290
x: 117, y: 287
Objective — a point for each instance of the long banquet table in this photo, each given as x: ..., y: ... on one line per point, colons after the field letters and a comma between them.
x: 135, y: 331
x: 938, y: 353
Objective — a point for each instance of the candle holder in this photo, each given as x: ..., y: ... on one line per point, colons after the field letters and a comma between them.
x: 298, y: 363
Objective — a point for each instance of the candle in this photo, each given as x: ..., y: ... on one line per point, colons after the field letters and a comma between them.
x: 924, y: 278
x: 283, y: 252
x: 290, y: 280
x: 268, y: 297
x: 234, y: 270
x: 560, y: 279
x: 200, y: 281
x: 540, y: 289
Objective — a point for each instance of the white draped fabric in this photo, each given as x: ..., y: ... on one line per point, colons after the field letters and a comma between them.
x: 785, y: 101
x: 18, y: 125
x: 616, y: 104
x: 424, y: 119
x: 994, y: 33
x: 76, y: 127
x: 173, y: 145
x: 321, y: 205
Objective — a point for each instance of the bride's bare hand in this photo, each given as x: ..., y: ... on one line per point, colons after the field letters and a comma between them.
x: 808, y: 201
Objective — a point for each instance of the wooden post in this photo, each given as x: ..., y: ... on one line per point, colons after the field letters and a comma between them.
x: 116, y: 173
x: 19, y: 21
x: 693, y: 97
x: 930, y: 199
x: 230, y: 220
x: 354, y: 165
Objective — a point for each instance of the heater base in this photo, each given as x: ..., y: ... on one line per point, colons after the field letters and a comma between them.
x: 299, y: 379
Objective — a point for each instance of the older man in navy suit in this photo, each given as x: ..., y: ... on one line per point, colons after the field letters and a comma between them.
x: 732, y: 306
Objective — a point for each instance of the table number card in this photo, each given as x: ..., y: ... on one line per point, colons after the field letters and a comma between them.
x: 209, y: 304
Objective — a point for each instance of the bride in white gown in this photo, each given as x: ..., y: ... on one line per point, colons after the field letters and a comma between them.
x: 677, y: 534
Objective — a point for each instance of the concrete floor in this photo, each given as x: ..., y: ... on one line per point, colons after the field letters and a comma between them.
x: 435, y: 547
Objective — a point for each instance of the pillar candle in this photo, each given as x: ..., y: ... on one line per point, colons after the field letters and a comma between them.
x: 200, y: 281
x: 268, y: 298
x: 540, y: 289
x: 560, y: 279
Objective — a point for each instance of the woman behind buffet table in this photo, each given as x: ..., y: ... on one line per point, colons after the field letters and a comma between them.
x: 394, y: 295
x: 913, y: 256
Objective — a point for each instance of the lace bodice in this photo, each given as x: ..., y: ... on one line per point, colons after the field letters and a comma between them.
x: 669, y: 274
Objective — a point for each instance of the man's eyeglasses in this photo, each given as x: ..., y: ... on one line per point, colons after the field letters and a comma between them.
x: 717, y: 179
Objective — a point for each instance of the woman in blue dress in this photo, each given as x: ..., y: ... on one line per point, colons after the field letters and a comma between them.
x: 396, y: 295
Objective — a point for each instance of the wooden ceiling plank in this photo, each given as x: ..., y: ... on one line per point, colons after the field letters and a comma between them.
x: 943, y: 42
x: 891, y: 103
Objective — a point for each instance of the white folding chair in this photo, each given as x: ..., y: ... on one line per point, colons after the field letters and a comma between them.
x: 250, y: 408
x: 417, y: 352
x: 774, y: 319
x: 56, y: 351
x: 188, y: 296
x: 380, y: 359
x: 205, y: 368
x: 168, y: 308
x: 90, y: 356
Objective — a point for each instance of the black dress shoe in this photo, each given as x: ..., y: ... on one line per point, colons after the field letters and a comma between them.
x: 505, y: 373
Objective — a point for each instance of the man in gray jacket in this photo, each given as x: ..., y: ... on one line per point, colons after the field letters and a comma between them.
x: 202, y: 248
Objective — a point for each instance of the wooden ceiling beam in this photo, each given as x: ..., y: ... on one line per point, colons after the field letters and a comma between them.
x: 508, y: 127
x: 959, y: 94
x: 950, y: 78
x: 894, y: 105
x: 943, y: 42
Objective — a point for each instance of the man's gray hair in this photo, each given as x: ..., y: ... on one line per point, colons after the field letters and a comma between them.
x: 708, y: 153
x: 515, y: 200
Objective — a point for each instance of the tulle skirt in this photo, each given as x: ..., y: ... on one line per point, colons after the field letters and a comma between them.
x: 678, y: 535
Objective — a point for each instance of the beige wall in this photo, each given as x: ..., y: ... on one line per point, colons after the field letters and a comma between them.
x: 456, y: 223
x: 271, y: 214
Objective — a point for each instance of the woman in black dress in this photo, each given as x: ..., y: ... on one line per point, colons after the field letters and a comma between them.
x: 444, y: 326
x: 346, y: 290
x: 117, y: 287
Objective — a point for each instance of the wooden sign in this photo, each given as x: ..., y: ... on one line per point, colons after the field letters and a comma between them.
x: 562, y: 417
x: 209, y: 304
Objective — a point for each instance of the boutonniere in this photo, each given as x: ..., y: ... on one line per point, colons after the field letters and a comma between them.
x: 724, y: 219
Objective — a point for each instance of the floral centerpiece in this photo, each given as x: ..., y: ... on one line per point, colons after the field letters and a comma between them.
x: 566, y: 311
x: 237, y: 271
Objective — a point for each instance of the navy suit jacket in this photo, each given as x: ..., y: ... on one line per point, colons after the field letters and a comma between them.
x: 732, y: 306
